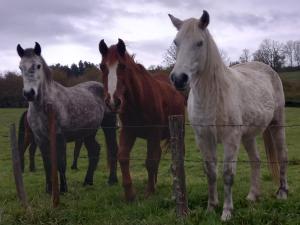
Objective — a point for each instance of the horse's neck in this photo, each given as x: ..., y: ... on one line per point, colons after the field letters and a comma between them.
x: 211, y: 88
x: 46, y: 94
x: 137, y: 88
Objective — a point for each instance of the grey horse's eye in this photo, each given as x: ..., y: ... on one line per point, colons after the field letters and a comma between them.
x: 199, y: 43
x: 175, y: 43
x: 38, y: 66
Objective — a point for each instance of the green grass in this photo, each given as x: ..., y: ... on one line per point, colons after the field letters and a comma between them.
x: 101, y: 204
x: 291, y: 85
x: 295, y: 75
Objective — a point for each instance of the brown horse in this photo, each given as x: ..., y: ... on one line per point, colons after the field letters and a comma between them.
x: 144, y: 103
x: 26, y: 139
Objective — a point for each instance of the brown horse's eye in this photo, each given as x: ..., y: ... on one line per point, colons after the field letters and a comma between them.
x: 103, y: 67
x: 121, y: 66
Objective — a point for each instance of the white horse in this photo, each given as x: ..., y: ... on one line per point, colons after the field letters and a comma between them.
x: 229, y: 106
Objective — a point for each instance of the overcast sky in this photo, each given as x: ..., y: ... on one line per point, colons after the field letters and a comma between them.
x: 70, y: 30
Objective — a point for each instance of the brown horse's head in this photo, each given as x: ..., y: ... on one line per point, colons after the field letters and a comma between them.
x: 113, y: 66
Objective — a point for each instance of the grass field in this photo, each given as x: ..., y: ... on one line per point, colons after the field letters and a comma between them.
x: 101, y: 204
x: 291, y: 85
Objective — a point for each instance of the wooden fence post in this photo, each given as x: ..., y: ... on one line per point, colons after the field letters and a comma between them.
x: 176, y: 126
x: 17, y: 167
x: 53, y: 153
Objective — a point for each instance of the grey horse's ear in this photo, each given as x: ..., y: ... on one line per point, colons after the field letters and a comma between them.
x: 204, y: 20
x: 37, y: 49
x: 121, y: 47
x: 103, y: 49
x: 176, y: 22
x: 20, y: 50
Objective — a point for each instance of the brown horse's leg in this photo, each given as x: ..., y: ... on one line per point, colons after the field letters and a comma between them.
x: 152, y: 163
x: 62, y: 161
x: 78, y: 145
x: 127, y: 140
x: 32, y: 150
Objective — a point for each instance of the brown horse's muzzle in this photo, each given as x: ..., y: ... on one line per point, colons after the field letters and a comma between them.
x: 114, y: 104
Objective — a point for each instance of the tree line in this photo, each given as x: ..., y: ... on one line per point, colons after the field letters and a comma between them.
x: 11, y: 83
x: 280, y: 56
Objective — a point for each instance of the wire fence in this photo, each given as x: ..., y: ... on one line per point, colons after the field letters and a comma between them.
x: 290, y: 162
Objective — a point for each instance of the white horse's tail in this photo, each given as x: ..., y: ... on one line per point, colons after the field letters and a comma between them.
x: 272, y: 155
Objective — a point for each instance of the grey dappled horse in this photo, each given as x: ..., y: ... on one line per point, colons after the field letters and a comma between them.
x: 80, y: 111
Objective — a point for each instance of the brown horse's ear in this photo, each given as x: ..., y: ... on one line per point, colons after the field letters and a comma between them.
x: 204, y: 20
x: 176, y: 22
x: 121, y: 47
x: 20, y: 50
x: 37, y: 49
x: 103, y: 49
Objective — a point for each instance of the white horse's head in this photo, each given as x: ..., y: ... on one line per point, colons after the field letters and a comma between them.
x: 192, y: 46
x: 33, y: 73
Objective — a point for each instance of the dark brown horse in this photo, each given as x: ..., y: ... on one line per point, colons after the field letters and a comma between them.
x: 26, y: 139
x: 144, y: 103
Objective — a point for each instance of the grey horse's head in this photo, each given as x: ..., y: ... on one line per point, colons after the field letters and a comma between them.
x: 191, y: 49
x: 34, y: 71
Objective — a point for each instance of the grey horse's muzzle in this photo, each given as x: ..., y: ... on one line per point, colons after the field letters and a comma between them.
x: 179, y: 80
x: 29, y: 95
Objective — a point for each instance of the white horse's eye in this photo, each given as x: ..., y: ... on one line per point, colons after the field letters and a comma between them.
x: 38, y: 66
x: 199, y: 43
x: 175, y: 43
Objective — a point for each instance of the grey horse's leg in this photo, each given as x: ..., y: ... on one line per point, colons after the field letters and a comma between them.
x: 109, y: 128
x: 208, y: 145
x: 231, y: 148
x: 78, y: 145
x: 47, y: 165
x: 278, y: 137
x: 61, y: 162
x: 251, y: 148
x: 93, y: 149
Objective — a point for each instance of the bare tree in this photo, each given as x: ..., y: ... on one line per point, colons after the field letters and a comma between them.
x: 169, y: 57
x: 288, y: 50
x: 270, y: 52
x: 245, y: 57
x: 297, y: 52
x: 224, y: 56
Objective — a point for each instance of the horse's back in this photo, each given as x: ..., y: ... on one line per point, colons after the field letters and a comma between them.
x: 94, y: 87
x: 260, y: 92
x: 262, y: 75
x: 80, y: 106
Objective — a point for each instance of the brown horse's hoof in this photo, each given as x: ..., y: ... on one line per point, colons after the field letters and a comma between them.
x: 74, y: 167
x: 112, y: 180
x: 129, y: 193
x: 149, y: 192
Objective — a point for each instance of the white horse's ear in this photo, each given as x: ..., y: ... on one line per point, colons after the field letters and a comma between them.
x: 176, y: 22
x: 204, y: 20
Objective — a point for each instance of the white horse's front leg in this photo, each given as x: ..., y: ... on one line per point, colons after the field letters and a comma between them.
x: 206, y: 141
x: 230, y: 158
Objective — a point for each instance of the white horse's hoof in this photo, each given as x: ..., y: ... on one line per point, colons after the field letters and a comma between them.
x: 252, y: 197
x: 282, y: 194
x: 212, y: 206
x: 226, y: 215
